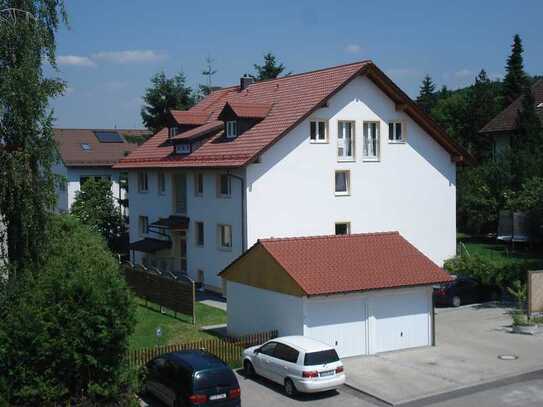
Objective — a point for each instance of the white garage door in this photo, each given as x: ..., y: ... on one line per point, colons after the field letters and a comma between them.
x: 338, y: 322
x: 402, y: 320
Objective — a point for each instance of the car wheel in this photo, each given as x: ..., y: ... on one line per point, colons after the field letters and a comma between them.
x: 456, y: 301
x: 290, y: 389
x: 249, y: 369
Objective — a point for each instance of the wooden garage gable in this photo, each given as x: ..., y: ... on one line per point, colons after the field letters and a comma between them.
x: 257, y: 268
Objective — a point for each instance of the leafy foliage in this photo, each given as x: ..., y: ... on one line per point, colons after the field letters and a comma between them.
x: 64, y: 331
x: 27, y: 148
x: 270, y: 69
x: 165, y: 94
x: 94, y: 206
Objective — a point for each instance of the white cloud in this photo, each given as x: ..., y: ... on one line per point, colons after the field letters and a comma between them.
x: 353, y: 48
x: 129, y: 56
x: 75, y: 60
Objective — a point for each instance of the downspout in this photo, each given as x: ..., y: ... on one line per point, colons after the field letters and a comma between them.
x: 242, y: 182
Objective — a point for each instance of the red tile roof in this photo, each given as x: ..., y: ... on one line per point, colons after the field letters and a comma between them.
x: 346, y: 263
x: 506, y: 120
x: 69, y: 143
x: 292, y: 99
x: 213, y: 126
x: 189, y: 117
x: 250, y: 110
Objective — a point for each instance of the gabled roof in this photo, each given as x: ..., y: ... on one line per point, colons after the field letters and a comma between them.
x: 208, y: 128
x: 346, y: 263
x: 189, y: 117
x: 292, y: 99
x: 81, y: 147
x: 248, y: 110
x: 506, y: 120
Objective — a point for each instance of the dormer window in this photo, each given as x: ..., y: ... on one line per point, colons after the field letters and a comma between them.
x: 231, y: 129
x: 86, y: 147
x: 183, y: 148
x: 172, y: 132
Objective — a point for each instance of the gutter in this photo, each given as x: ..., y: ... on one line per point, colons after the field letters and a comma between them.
x: 243, y: 231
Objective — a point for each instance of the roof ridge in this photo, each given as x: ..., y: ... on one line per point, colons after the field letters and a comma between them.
x: 316, y: 237
x: 98, y: 129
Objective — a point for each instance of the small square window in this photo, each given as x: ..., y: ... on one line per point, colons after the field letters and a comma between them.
x: 199, y: 233
x: 343, y: 182
x: 161, y: 183
x: 143, y: 225
x: 199, y: 184
x: 224, y: 185
x: 143, y: 181
x: 395, y: 132
x: 86, y: 147
x: 231, y: 129
x: 343, y: 228
x: 224, y: 237
x: 318, y: 131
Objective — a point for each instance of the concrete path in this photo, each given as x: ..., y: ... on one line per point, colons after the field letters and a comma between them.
x: 211, y: 299
x: 469, y: 341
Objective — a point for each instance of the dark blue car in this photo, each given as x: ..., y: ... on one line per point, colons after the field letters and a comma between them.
x: 192, y: 378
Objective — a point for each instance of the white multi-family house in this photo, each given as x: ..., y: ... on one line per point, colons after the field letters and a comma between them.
x: 335, y: 151
x: 91, y: 153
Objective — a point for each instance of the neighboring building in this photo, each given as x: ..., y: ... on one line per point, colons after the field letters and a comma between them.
x: 504, y: 125
x: 363, y: 293
x: 91, y: 153
x: 337, y: 150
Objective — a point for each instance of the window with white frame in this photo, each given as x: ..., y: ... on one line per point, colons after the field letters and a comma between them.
x: 343, y: 228
x: 143, y: 225
x: 231, y: 129
x: 161, y: 183
x: 172, y: 132
x: 143, y: 181
x: 199, y: 184
x: 224, y: 187
x: 395, y: 132
x: 343, y: 182
x: 199, y: 233
x: 371, y: 141
x: 318, y: 131
x: 224, y: 236
x: 183, y: 148
x: 345, y: 141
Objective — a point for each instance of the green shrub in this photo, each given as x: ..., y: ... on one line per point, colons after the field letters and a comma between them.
x: 64, y: 329
x: 489, y: 271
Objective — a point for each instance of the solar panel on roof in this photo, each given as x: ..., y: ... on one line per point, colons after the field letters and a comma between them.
x: 108, y: 137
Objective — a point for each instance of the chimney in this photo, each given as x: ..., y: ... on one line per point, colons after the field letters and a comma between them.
x: 245, y: 81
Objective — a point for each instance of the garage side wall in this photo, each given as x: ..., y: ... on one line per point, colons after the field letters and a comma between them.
x: 252, y: 310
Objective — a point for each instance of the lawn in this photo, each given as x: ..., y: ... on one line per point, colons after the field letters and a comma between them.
x: 501, y: 253
x: 174, y: 329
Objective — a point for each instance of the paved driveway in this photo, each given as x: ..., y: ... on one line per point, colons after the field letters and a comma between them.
x: 469, y: 341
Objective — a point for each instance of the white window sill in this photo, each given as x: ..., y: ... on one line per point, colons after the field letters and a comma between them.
x: 224, y: 196
x: 318, y: 141
x: 371, y: 159
x: 396, y: 141
x: 346, y: 160
x: 342, y: 193
x: 224, y: 249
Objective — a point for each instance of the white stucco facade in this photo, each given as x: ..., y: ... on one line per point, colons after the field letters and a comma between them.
x: 290, y: 191
x: 411, y: 189
x: 67, y: 192
x: 355, y: 324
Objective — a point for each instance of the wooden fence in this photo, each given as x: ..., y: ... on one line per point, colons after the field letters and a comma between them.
x: 177, y: 295
x: 227, y: 349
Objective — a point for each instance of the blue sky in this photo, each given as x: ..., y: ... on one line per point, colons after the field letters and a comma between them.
x: 112, y: 48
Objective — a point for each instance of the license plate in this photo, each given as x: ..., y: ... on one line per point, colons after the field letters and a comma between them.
x: 217, y: 396
x: 327, y: 373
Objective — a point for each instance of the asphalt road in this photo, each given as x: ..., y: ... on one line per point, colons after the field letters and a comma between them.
x: 521, y: 392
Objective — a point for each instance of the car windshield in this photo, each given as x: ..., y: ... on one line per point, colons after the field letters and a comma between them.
x: 321, y: 358
x: 215, y: 378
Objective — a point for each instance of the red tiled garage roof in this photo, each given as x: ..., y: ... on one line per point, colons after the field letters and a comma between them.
x: 359, y: 262
x: 506, y: 120
x: 285, y: 102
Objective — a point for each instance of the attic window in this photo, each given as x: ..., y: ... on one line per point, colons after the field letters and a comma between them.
x: 86, y: 147
x: 182, y: 148
x: 231, y: 129
x: 172, y: 132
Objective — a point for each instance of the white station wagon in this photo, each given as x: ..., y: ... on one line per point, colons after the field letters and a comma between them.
x: 298, y: 363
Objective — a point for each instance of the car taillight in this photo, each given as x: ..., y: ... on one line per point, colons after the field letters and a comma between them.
x: 234, y: 393
x: 339, y: 369
x: 198, y: 398
x: 310, y: 374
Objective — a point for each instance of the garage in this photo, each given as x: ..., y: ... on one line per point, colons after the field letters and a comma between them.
x: 362, y: 294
